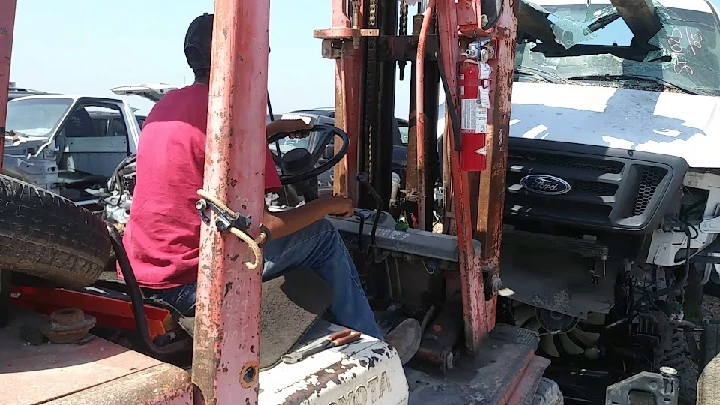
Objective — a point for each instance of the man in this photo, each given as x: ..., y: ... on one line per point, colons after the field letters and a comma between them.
x: 162, y: 237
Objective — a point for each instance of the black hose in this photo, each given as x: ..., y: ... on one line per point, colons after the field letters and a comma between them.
x: 137, y: 300
x: 449, y: 102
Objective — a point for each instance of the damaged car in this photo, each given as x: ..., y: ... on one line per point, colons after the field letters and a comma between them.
x: 612, y: 206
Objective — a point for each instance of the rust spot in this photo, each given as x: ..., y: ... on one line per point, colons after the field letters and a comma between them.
x: 249, y: 374
x: 252, y: 348
x: 228, y: 286
x: 233, y: 182
x: 234, y: 258
x: 328, y: 374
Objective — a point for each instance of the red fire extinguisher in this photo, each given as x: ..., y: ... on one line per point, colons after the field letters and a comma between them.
x: 473, y: 126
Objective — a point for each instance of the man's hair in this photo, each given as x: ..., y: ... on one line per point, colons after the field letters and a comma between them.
x: 198, y: 45
x: 201, y: 74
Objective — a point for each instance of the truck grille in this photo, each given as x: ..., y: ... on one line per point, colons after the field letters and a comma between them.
x: 608, y: 189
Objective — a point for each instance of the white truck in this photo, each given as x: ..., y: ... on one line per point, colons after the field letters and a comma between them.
x: 72, y: 144
x: 612, y: 183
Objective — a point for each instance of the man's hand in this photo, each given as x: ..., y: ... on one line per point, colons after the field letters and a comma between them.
x: 296, y: 128
x: 283, y: 223
x: 340, y: 206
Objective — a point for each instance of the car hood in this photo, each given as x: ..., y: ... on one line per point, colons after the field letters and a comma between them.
x: 681, y: 125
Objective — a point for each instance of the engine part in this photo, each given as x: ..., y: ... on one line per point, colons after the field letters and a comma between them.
x: 560, y: 334
x: 661, y: 389
x: 69, y: 325
x: 441, y: 336
x: 677, y: 356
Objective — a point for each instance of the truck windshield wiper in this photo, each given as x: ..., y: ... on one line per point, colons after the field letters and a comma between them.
x: 541, y: 74
x: 655, y: 80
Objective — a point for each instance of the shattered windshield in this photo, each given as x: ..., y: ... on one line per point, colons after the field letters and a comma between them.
x: 564, y: 41
x: 35, y: 117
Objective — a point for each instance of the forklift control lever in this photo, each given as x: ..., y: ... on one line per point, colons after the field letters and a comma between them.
x: 364, y: 179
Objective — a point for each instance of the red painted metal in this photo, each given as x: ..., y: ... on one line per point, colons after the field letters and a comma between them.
x: 469, y: 17
x: 348, y: 97
x: 227, y: 336
x: 109, y: 312
x: 7, y: 24
x: 491, y: 192
x: 471, y: 282
x: 472, y: 139
x: 420, y: 112
x: 526, y: 382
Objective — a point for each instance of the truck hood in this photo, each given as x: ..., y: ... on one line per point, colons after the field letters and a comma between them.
x: 152, y: 92
x: 681, y: 125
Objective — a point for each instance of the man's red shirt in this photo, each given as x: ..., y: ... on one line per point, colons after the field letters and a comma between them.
x: 162, y: 237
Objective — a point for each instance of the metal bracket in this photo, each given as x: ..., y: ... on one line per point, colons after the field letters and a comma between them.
x: 225, y: 220
x: 664, y: 388
x: 711, y: 225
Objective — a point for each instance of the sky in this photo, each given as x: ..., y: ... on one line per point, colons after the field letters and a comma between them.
x: 95, y: 46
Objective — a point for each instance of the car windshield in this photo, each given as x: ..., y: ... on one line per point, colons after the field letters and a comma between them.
x: 35, y: 117
x: 592, y: 42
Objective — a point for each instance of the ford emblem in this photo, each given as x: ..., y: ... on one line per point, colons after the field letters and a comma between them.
x: 545, y: 184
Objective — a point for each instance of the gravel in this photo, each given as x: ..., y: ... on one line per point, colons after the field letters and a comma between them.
x: 711, y: 306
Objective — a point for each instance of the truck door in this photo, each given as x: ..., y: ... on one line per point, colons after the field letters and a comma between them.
x: 85, y: 149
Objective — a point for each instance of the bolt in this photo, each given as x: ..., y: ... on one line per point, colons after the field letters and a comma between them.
x: 668, y: 371
x: 484, y: 55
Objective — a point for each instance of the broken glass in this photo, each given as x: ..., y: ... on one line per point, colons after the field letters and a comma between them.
x: 596, y: 44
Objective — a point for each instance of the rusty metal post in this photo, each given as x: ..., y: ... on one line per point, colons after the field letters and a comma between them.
x: 348, y: 98
x: 491, y: 193
x: 7, y: 25
x: 227, y: 336
x: 420, y: 115
x: 471, y: 282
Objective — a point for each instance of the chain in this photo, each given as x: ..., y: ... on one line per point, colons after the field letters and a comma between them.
x: 371, y: 87
x: 372, y: 14
x: 403, y: 17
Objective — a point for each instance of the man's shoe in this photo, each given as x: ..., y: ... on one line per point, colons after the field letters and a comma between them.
x: 405, y: 338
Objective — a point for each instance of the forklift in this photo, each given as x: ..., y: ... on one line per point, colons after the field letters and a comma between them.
x: 70, y: 333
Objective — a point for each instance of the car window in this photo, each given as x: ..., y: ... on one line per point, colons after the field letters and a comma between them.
x: 35, y: 116
x: 404, y: 135
x: 118, y: 127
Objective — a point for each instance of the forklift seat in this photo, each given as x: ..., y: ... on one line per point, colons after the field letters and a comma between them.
x: 291, y: 304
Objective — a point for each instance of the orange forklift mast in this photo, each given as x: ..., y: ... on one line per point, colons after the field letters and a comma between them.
x: 464, y: 49
x: 447, y: 43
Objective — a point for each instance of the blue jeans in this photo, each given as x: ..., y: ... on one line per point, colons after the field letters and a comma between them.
x: 319, y: 247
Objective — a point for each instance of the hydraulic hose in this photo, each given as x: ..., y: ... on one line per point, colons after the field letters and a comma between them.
x: 137, y: 300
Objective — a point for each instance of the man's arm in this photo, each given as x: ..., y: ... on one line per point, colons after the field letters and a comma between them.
x: 290, y: 126
x: 283, y: 223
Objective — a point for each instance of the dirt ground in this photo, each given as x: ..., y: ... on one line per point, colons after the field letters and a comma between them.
x: 711, y: 306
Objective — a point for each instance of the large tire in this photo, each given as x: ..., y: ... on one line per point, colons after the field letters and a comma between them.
x: 47, y: 236
x: 678, y: 357
x: 709, y: 343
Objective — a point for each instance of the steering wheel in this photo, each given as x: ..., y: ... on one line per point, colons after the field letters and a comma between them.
x: 299, y: 164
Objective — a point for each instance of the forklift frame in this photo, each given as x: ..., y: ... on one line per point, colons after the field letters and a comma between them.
x: 226, y: 363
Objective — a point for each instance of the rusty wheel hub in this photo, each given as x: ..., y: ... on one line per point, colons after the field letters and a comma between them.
x: 69, y: 325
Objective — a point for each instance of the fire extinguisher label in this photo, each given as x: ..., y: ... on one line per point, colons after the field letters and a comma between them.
x: 482, y: 118
x: 474, y: 116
